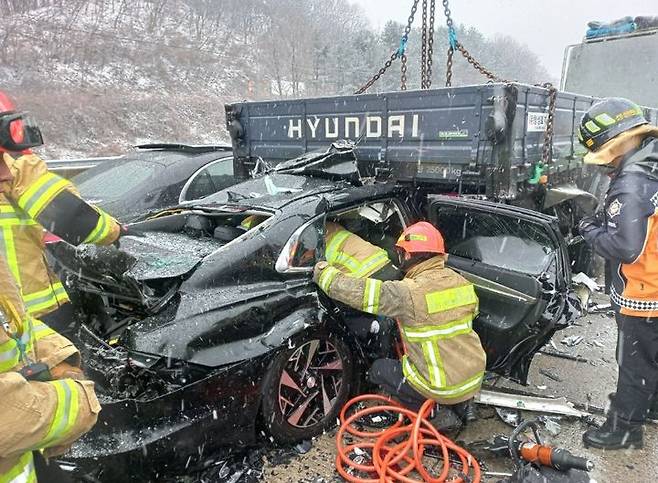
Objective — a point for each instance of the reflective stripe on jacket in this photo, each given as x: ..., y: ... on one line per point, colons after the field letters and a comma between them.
x: 628, y: 236
x: 435, y: 307
x: 352, y: 254
x: 36, y: 415
x: 30, y: 201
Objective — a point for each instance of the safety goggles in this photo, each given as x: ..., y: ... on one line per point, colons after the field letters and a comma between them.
x: 18, y: 132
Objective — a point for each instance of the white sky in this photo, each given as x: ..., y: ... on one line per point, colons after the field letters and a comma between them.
x: 546, y: 26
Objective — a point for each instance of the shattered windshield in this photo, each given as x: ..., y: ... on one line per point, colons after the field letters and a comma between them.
x: 273, y: 190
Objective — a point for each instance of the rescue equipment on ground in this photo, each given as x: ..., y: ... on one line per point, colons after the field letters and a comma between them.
x: 536, y: 462
x: 399, y: 451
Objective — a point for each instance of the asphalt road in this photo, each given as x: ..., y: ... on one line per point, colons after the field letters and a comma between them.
x: 581, y: 382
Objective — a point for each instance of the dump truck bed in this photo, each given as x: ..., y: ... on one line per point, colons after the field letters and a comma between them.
x: 483, y: 139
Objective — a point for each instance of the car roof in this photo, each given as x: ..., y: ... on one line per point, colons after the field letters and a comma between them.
x: 179, y: 163
x: 276, y: 191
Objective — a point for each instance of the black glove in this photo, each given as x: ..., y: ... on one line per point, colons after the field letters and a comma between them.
x: 588, y: 223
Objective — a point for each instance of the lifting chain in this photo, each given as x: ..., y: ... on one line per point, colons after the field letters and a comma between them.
x: 423, y: 48
x: 403, y: 72
x: 547, y: 149
x: 395, y: 55
x: 430, y: 45
x: 454, y: 44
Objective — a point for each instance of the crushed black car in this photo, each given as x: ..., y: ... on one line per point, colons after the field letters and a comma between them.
x: 201, y: 333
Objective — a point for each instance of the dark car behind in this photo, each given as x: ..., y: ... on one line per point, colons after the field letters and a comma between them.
x: 156, y: 177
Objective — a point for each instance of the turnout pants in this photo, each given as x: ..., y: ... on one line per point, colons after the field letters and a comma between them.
x: 387, y: 374
x: 637, y: 357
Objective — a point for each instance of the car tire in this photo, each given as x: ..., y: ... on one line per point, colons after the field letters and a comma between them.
x: 301, y: 392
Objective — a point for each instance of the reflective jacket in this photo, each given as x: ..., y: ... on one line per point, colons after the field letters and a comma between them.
x: 36, y: 415
x: 31, y: 199
x: 628, y: 235
x: 352, y: 254
x: 434, y: 306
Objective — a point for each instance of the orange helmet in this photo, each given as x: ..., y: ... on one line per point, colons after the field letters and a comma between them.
x: 421, y: 237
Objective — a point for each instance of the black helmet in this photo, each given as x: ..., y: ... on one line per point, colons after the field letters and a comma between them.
x: 607, y: 119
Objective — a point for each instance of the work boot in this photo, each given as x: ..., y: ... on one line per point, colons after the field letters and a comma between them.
x: 615, y: 433
x: 445, y: 419
x: 466, y: 411
x: 652, y: 415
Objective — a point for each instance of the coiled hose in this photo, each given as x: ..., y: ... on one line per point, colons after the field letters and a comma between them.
x: 397, y: 452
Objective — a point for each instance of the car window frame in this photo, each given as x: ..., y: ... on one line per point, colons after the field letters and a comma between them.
x: 549, y: 223
x: 282, y: 264
x: 198, y: 172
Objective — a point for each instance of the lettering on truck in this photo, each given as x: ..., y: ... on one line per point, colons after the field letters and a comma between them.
x: 352, y: 127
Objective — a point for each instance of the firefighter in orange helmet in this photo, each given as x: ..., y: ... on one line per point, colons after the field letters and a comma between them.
x: 434, y: 306
x: 33, y: 199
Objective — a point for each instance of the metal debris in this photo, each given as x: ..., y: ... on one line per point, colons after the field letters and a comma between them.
x: 562, y: 355
x: 511, y: 417
x: 572, y: 340
x: 530, y: 403
x: 597, y: 308
x: 550, y: 374
x: 551, y: 424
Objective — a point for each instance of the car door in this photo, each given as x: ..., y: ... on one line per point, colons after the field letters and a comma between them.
x: 213, y: 177
x: 517, y: 260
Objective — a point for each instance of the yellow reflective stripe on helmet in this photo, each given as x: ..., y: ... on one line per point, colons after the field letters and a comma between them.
x: 447, y: 392
x: 334, y: 243
x: 592, y: 127
x: 66, y: 413
x: 41, y: 192
x: 450, y: 299
x: 22, y: 472
x: 373, y: 263
x: 605, y: 119
x: 371, y: 294
x: 52, y: 295
x: 435, y: 332
x: 326, y: 277
x: 102, y: 229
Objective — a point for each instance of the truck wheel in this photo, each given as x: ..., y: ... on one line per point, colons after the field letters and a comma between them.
x: 306, y: 386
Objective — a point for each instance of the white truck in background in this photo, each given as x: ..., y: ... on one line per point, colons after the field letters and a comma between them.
x: 615, y: 66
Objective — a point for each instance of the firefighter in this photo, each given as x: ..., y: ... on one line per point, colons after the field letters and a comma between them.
x: 620, y: 139
x: 46, y: 402
x: 434, y: 306
x: 352, y: 254
x: 31, y: 199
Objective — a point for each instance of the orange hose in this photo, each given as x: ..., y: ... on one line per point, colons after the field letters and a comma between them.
x: 398, y: 451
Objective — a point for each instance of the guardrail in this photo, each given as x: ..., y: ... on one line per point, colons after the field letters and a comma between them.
x: 70, y: 167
